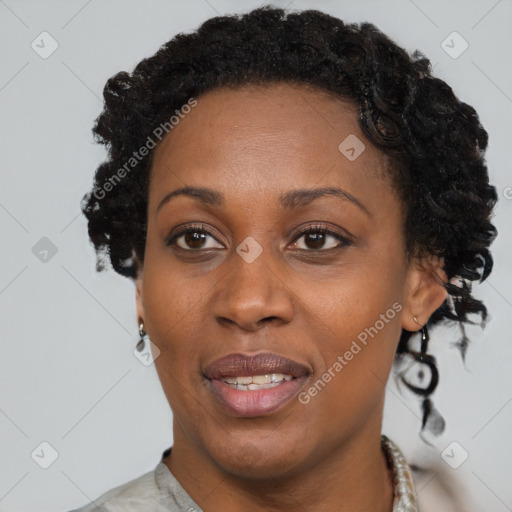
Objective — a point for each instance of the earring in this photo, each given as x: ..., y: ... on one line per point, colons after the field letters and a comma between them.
x: 431, y: 417
x: 142, y: 333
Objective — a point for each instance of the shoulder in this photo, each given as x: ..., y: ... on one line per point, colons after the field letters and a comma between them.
x: 141, y: 494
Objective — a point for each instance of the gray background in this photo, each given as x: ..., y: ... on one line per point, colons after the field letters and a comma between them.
x: 68, y: 373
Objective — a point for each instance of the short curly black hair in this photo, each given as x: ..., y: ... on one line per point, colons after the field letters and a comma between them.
x: 434, y: 142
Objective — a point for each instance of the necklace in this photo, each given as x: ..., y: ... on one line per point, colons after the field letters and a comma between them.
x: 403, y: 485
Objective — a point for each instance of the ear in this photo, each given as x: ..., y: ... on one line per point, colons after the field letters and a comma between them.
x: 425, y: 291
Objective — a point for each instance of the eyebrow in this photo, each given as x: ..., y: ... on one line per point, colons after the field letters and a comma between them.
x: 289, y: 200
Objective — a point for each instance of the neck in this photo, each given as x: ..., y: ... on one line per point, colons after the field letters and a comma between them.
x: 354, y: 477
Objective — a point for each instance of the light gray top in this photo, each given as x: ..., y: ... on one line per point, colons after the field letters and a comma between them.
x: 159, y: 491
x: 155, y: 491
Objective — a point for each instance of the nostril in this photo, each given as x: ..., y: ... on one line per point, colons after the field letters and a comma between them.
x: 267, y: 319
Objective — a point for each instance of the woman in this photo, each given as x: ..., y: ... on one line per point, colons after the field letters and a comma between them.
x: 297, y: 200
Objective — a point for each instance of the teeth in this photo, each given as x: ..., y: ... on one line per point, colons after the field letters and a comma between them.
x: 262, y: 379
x: 243, y: 380
x: 254, y: 382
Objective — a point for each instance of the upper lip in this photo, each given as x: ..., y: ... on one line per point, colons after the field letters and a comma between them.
x: 241, y: 365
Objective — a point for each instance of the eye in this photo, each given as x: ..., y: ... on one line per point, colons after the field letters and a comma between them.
x: 316, y: 238
x: 194, y: 238
x: 320, y: 238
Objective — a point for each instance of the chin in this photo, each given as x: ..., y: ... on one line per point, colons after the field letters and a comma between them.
x: 254, y: 459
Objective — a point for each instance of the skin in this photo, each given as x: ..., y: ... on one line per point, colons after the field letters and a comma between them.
x: 303, y: 301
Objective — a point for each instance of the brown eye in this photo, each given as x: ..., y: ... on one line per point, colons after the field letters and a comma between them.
x: 320, y: 238
x: 194, y: 239
x: 191, y: 239
x: 315, y: 240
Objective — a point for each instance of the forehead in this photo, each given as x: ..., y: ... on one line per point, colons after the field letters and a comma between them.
x: 267, y: 139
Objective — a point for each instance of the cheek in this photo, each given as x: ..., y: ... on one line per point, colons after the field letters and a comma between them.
x: 351, y: 297
x: 356, y: 325
x: 354, y: 367
x: 360, y: 327
x: 173, y: 307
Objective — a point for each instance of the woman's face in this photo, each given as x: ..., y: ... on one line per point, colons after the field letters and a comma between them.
x: 245, y: 293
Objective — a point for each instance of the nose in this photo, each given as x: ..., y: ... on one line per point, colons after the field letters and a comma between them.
x: 252, y: 295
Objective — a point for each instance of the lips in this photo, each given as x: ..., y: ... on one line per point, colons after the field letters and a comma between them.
x: 240, y: 365
x: 256, y: 385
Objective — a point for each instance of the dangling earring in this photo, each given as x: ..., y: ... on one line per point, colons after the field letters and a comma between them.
x: 142, y: 333
x: 431, y: 417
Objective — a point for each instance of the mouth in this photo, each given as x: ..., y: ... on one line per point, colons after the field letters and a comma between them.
x: 255, y: 382
x: 257, y: 385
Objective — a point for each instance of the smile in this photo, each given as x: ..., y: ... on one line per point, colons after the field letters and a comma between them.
x: 255, y: 382
x: 258, y: 385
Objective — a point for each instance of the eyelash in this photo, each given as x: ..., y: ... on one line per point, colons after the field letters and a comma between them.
x: 323, y: 229
x: 317, y: 228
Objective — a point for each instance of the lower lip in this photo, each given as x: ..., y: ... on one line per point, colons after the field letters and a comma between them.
x: 258, y: 402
